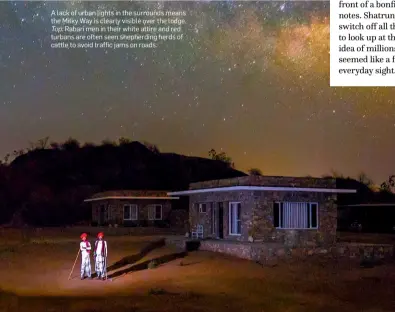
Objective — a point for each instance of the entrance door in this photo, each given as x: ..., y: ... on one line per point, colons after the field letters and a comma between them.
x: 220, y: 214
x: 102, y: 214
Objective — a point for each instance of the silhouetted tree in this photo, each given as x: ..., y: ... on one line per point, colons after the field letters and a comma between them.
x: 385, y: 187
x: 108, y: 142
x: 389, y: 185
x: 336, y: 174
x: 221, y: 157
x: 124, y: 141
x: 255, y: 172
x: 42, y: 143
x: 39, y: 144
x: 54, y: 145
x: 391, y: 180
x: 17, y: 153
x: 7, y: 158
x: 152, y: 147
x: 364, y: 179
x: 89, y: 145
x: 70, y: 144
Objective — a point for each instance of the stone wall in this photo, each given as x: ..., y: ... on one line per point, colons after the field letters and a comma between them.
x: 266, y: 252
x: 115, y: 211
x: 263, y: 227
x: 257, y: 216
x: 267, y: 181
x: 205, y: 219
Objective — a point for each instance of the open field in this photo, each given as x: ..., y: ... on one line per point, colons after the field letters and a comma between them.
x: 34, y: 277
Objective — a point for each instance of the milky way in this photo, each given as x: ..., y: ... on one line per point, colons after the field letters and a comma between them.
x: 251, y: 78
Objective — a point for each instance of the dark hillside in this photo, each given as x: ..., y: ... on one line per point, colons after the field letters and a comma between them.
x: 49, y: 185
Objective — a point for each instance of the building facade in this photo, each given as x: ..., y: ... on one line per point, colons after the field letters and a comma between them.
x: 132, y: 208
x: 290, y: 210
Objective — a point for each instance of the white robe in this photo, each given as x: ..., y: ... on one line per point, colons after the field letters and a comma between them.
x: 85, y: 248
x: 100, y: 254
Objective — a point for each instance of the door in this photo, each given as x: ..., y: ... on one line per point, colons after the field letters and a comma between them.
x: 235, y: 218
x: 102, y: 214
x: 220, y: 216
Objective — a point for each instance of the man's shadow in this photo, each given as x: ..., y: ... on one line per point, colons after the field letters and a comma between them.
x: 146, y: 264
x: 128, y: 260
x: 153, y: 263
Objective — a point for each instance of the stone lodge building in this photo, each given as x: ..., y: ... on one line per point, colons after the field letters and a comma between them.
x: 132, y: 208
x: 287, y: 210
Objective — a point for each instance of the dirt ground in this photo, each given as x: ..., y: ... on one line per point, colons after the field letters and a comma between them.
x: 34, y: 274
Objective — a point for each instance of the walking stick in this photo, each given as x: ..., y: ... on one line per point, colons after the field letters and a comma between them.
x: 72, y: 270
x: 105, y: 263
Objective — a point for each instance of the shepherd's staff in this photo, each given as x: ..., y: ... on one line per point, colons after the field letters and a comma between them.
x: 72, y: 270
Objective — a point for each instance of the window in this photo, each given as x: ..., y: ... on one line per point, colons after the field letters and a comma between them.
x: 155, y: 212
x: 203, y: 208
x: 130, y: 212
x: 289, y: 215
x: 234, y: 218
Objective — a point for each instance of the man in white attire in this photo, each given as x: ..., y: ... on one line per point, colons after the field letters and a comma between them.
x: 85, y: 248
x: 100, y: 254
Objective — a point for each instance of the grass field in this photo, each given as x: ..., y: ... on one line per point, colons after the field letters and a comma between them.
x: 34, y: 272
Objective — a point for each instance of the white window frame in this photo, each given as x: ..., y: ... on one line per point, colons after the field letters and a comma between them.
x: 230, y: 218
x: 152, y: 212
x: 130, y: 206
x: 310, y: 205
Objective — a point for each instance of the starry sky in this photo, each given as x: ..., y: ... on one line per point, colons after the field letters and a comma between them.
x: 250, y: 78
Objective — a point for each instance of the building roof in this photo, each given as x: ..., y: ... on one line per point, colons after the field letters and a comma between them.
x: 266, y: 183
x: 130, y: 194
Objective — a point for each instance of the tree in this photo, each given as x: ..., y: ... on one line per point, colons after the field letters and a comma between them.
x: 124, y: 141
x: 107, y: 142
x: 17, y: 153
x: 364, y: 179
x: 385, y: 187
x: 7, y: 158
x: 54, y: 145
x: 335, y: 174
x: 221, y: 157
x: 152, y: 147
x: 42, y: 143
x: 89, y: 145
x: 391, y: 180
x: 255, y: 172
x: 389, y: 185
x: 70, y: 144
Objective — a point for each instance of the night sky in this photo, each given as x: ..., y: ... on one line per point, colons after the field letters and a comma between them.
x: 250, y: 78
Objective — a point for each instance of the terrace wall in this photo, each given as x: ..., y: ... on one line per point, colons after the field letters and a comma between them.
x: 265, y: 253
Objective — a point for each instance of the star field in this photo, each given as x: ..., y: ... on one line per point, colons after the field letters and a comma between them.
x: 251, y: 78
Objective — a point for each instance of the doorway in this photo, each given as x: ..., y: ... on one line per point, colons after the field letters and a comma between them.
x: 102, y: 214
